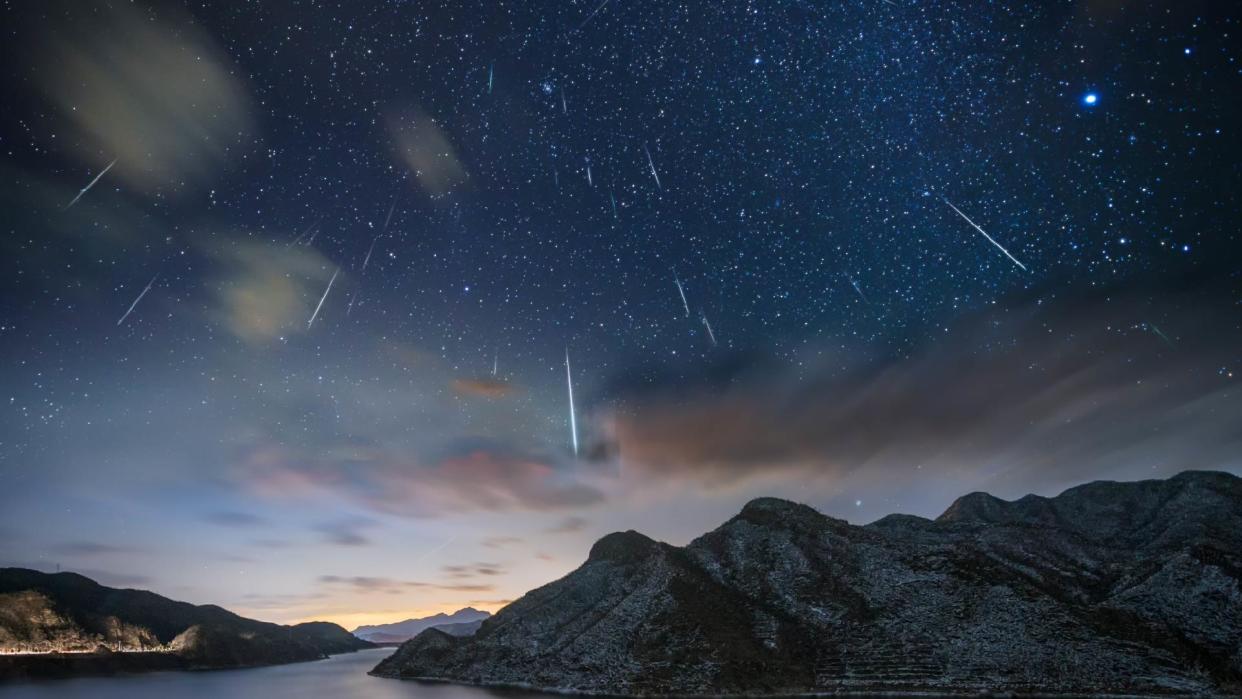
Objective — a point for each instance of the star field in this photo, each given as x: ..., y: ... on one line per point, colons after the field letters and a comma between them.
x: 527, y: 178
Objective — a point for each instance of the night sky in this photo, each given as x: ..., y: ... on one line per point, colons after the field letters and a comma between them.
x: 940, y: 246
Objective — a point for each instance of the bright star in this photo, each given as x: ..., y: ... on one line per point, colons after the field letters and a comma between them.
x: 1090, y: 98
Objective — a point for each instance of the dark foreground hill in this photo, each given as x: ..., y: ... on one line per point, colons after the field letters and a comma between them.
x: 65, y: 624
x: 1108, y: 587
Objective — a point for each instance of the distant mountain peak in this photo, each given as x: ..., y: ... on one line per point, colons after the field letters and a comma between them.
x: 462, y: 621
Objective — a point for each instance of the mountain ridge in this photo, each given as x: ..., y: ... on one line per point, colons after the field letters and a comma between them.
x: 54, y: 624
x: 461, y: 622
x: 1106, y: 588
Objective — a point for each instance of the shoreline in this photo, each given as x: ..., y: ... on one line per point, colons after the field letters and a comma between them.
x: 885, y: 692
x: 67, y: 666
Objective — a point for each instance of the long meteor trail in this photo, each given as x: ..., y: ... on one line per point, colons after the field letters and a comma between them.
x: 651, y: 164
x: 681, y: 290
x: 323, y: 298
x: 985, y: 235
x: 370, y: 250
x: 573, y: 419
x: 87, y: 188
x: 135, y: 303
x: 711, y: 335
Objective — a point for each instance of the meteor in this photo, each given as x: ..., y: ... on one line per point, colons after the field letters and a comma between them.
x: 388, y: 218
x: 573, y: 420
x: 1157, y: 331
x: 564, y: 107
x: 87, y: 188
x: 651, y: 164
x: 135, y: 303
x: 592, y: 15
x: 371, y: 249
x: 711, y: 335
x: 589, y: 180
x: 681, y: 290
x: 985, y: 235
x: 491, y: 72
x: 303, y: 234
x: 614, y: 203
x: 496, y: 362
x: 857, y: 289
x: 323, y: 298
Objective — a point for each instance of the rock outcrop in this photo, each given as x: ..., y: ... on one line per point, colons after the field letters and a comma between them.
x: 1106, y: 588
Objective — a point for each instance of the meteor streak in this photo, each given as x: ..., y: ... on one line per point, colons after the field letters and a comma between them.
x: 681, y: 290
x: 573, y: 420
x: 323, y: 298
x: 1156, y: 329
x: 592, y: 15
x: 135, y: 303
x: 651, y: 164
x: 711, y: 335
x: 985, y: 235
x: 303, y: 234
x: 388, y: 218
x: 87, y: 188
x: 491, y: 71
x: 857, y: 289
x: 371, y: 249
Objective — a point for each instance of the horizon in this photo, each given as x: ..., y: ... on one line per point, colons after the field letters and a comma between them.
x: 369, y: 312
x: 350, y: 621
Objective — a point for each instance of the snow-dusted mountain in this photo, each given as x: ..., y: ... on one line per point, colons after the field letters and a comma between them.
x: 1108, y: 587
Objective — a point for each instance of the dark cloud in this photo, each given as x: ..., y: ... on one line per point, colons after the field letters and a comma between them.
x: 473, y: 570
x: 1053, y: 389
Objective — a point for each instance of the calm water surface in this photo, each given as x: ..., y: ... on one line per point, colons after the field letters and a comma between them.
x: 338, y: 676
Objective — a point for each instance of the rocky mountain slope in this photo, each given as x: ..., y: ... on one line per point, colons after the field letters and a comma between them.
x: 463, y: 622
x: 64, y: 623
x: 1108, y: 587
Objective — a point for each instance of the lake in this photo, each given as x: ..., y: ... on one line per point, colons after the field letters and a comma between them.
x: 339, y: 676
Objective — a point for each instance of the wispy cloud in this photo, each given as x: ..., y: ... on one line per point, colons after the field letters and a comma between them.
x: 147, y: 87
x: 234, y: 518
x: 569, y: 525
x: 389, y: 585
x: 92, y: 548
x: 471, y: 570
x: 1036, y: 391
x: 347, y: 532
x: 500, y: 542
